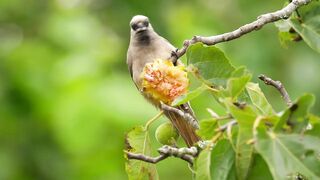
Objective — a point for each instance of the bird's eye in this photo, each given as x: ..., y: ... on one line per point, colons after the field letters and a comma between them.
x: 146, y: 23
x: 134, y: 26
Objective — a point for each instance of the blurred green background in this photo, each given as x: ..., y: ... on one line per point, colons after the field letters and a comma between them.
x: 67, y: 100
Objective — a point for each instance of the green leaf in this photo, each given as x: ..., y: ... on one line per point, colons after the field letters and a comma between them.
x: 203, y: 165
x: 245, y: 117
x: 259, y: 100
x: 236, y: 85
x: 309, y: 31
x: 189, y: 96
x: 207, y: 127
x: 282, y: 25
x: 315, y: 131
x: 296, y: 115
x: 138, y: 142
x: 286, y: 33
x: 289, y: 155
x: 308, y: 25
x: 222, y: 161
x: 211, y: 63
x: 232, y: 174
x: 239, y: 72
x: 286, y: 37
x: 309, y: 11
x: 259, y: 170
x: 314, y: 122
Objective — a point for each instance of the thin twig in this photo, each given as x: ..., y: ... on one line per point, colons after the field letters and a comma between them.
x: 224, y: 127
x: 145, y: 158
x: 228, y: 116
x: 211, y: 88
x: 278, y: 85
x: 153, y: 119
x: 256, y: 124
x: 217, y: 117
x: 212, y: 113
x: 186, y: 154
x: 188, y: 117
x: 229, y: 135
x: 262, y: 20
x: 216, y: 137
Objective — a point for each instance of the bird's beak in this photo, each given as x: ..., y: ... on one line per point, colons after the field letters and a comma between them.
x: 141, y: 27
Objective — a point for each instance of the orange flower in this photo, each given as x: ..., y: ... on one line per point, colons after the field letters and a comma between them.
x: 164, y: 81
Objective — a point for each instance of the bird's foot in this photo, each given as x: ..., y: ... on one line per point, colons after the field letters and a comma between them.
x: 174, y: 56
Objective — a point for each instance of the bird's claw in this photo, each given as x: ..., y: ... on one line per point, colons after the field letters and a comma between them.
x: 174, y: 56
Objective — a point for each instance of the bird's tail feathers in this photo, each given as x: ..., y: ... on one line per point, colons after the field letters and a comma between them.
x: 186, y: 130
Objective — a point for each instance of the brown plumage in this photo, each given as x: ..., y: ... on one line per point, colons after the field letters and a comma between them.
x: 146, y: 46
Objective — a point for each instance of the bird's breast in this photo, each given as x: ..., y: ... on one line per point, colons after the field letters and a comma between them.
x: 147, y: 49
x: 143, y: 38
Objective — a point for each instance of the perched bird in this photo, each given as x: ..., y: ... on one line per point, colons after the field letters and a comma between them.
x: 146, y: 46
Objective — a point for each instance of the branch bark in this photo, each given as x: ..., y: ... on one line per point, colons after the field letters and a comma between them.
x: 279, y: 86
x: 227, y: 125
x: 262, y: 20
x: 145, y: 158
x: 186, y: 154
x: 188, y: 117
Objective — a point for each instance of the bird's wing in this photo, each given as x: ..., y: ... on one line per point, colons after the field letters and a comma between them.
x: 169, y: 47
x: 187, y: 108
x: 129, y: 63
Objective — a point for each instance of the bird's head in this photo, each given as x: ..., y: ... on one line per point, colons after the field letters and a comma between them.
x: 139, y: 24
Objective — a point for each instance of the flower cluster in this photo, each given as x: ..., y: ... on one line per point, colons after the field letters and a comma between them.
x: 164, y: 81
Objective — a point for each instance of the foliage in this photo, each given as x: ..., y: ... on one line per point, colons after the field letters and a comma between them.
x: 214, y: 65
x: 66, y: 97
x: 305, y: 23
x: 264, y: 143
x: 138, y: 142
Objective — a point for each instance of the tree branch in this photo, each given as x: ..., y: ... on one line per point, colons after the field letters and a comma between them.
x: 225, y: 126
x: 145, y: 158
x: 186, y: 154
x: 188, y: 117
x: 262, y: 20
x: 278, y: 85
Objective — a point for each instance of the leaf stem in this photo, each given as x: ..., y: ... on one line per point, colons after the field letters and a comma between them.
x: 149, y: 122
x: 229, y: 136
x: 279, y: 86
x: 216, y: 137
x: 210, y: 88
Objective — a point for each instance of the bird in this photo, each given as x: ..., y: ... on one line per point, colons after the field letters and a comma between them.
x: 145, y: 47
